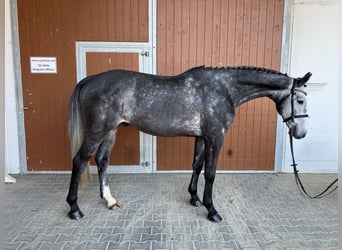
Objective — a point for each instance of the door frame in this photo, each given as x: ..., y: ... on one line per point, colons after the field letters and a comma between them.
x: 147, y: 143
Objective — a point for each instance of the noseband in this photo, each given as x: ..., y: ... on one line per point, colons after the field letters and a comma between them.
x: 293, y: 97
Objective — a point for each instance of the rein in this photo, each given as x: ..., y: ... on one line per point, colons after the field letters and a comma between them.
x: 299, y: 183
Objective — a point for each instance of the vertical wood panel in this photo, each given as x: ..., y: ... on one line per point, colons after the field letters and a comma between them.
x: 134, y: 12
x: 200, y: 33
x: 51, y: 28
x: 143, y: 20
x: 223, y: 33
x: 193, y: 17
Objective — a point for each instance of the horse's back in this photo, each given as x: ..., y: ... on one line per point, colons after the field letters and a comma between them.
x: 158, y: 105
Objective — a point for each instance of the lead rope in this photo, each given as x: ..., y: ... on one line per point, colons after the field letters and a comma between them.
x: 299, y: 181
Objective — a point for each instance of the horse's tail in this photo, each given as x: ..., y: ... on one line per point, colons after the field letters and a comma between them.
x: 76, y: 131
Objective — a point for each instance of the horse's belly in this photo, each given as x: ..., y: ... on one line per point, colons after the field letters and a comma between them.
x: 167, y: 127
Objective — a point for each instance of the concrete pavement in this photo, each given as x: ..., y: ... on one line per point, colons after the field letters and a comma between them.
x: 260, y: 211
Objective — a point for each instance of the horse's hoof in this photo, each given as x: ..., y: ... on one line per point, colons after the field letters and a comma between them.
x: 116, y: 205
x: 76, y: 215
x: 196, y: 202
x: 215, y: 217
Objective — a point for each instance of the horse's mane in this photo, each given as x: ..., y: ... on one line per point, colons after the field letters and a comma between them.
x: 249, y: 68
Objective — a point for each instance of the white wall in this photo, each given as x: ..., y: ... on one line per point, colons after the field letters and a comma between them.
x: 314, y: 48
x: 2, y: 105
x: 3, y: 221
x: 11, y: 135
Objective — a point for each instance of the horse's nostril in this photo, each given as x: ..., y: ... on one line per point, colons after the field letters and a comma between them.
x: 304, y: 134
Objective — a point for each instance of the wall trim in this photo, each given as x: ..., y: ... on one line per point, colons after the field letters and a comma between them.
x: 18, y: 88
x: 279, y: 159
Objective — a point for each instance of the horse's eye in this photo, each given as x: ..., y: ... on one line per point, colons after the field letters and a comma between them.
x: 300, y: 102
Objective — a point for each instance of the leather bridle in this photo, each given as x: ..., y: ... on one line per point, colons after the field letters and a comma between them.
x: 331, y: 188
x: 293, y: 98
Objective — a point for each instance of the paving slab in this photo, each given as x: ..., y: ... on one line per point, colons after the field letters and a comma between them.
x: 260, y: 211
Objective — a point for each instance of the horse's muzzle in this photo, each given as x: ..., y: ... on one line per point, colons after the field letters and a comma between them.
x: 297, y: 132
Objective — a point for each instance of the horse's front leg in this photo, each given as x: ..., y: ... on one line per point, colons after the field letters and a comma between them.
x: 212, y: 149
x: 197, y: 167
x: 102, y: 161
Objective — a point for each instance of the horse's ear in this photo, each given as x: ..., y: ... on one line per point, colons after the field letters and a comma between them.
x: 302, y: 80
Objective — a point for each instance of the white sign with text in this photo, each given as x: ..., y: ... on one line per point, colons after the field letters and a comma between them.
x: 43, y: 65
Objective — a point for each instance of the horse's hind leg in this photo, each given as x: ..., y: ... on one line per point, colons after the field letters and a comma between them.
x: 197, y: 167
x: 102, y: 161
x: 80, y: 161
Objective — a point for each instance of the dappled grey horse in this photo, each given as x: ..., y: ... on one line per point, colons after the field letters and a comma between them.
x: 200, y: 102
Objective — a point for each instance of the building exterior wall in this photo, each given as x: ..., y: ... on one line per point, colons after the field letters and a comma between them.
x: 314, y: 47
x: 323, y: 133
x: 11, y: 136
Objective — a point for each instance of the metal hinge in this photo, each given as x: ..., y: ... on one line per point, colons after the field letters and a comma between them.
x: 145, y: 164
x: 145, y: 53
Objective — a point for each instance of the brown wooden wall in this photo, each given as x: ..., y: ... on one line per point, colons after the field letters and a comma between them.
x: 189, y: 33
x: 51, y: 28
x: 221, y: 33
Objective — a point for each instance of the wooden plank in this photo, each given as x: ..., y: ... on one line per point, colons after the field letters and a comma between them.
x: 134, y: 12
x: 216, y: 29
x: 111, y: 21
x: 119, y: 20
x: 193, y: 17
x: 127, y: 21
x: 231, y: 32
x: 177, y: 50
x: 200, y: 32
x: 143, y: 20
x: 262, y: 34
x: 170, y: 35
x: 253, y: 51
x: 185, y: 35
x: 162, y: 29
x: 277, y: 37
x: 239, y: 33
x: 223, y: 33
x: 246, y: 34
x: 269, y: 30
x: 208, y: 35
x: 247, y: 109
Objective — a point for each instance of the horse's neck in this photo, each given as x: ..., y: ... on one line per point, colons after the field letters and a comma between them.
x: 242, y: 91
x: 247, y: 94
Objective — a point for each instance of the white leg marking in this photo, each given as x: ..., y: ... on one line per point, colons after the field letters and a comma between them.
x: 108, y: 197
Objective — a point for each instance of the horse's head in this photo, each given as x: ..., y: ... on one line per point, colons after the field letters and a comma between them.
x: 292, y: 107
